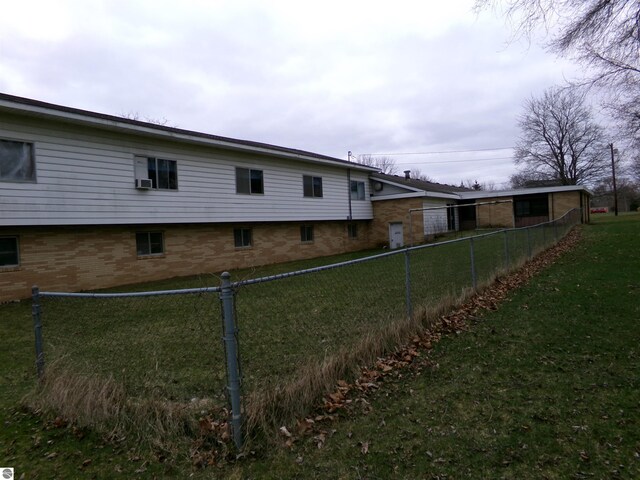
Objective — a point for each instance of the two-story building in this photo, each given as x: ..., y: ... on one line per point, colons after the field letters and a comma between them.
x: 90, y: 200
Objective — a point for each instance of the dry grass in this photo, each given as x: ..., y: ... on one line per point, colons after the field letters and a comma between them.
x: 103, y: 404
x: 273, y: 406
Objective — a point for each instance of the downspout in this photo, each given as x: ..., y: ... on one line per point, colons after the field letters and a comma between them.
x: 349, y: 192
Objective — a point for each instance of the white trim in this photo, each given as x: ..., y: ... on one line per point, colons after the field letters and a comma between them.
x: 522, y: 191
x: 418, y: 194
x: 398, y: 196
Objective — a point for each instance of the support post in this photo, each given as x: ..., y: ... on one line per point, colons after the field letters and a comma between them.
x: 474, y: 279
x: 36, y: 313
x: 407, y: 283
x: 230, y: 340
x: 529, y: 241
x: 506, y: 250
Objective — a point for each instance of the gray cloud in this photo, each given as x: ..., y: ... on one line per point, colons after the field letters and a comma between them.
x: 363, y: 77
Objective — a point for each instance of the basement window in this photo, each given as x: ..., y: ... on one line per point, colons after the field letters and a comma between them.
x: 242, y: 237
x: 306, y: 233
x: 9, y: 252
x: 149, y: 243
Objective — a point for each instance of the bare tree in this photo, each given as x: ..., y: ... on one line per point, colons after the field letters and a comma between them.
x: 603, y: 35
x: 157, y: 121
x: 385, y: 164
x: 560, y: 141
x: 417, y: 174
x: 635, y: 169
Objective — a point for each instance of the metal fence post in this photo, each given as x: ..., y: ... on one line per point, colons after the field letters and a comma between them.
x: 529, y: 241
x: 36, y: 313
x: 407, y: 282
x: 506, y: 250
x: 230, y: 339
x: 474, y: 280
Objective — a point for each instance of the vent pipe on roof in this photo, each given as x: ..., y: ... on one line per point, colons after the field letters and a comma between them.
x: 407, y: 174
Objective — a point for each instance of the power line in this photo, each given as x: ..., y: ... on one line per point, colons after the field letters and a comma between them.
x: 440, y: 153
x: 456, y: 161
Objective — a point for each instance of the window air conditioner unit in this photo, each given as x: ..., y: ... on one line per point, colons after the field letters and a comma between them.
x: 143, y: 183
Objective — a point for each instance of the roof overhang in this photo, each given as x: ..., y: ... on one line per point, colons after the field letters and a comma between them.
x: 37, y: 109
x: 521, y: 191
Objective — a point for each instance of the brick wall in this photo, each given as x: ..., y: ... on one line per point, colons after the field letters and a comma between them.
x: 562, y: 202
x: 87, y: 258
x: 396, y: 211
x: 496, y: 215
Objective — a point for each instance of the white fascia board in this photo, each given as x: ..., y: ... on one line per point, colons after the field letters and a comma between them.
x: 522, y: 191
x: 418, y: 194
x: 184, y: 137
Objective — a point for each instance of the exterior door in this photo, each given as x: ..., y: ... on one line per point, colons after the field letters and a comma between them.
x: 396, y: 235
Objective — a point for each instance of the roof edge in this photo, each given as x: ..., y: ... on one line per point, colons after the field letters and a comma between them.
x: 112, y: 122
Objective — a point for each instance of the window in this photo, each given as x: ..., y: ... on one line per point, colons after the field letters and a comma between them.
x: 162, y: 173
x: 149, y: 243
x: 242, y: 237
x: 306, y: 233
x: 17, y: 163
x: 357, y: 190
x: 249, y: 181
x: 9, y: 252
x: 531, y: 206
x: 312, y: 186
x: 352, y: 230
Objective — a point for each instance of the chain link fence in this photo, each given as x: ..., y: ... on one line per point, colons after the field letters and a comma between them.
x: 167, y: 344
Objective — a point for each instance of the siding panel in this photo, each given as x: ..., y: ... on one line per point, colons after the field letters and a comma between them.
x: 86, y: 176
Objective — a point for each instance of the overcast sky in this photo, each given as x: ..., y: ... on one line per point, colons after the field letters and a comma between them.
x: 410, y: 77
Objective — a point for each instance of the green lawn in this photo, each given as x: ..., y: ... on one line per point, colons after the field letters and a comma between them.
x: 539, y: 372
x: 545, y: 387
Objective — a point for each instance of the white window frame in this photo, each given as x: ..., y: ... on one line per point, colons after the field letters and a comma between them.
x: 359, y: 193
x: 315, y: 182
x: 247, y: 189
x: 19, y: 173
x: 142, y: 171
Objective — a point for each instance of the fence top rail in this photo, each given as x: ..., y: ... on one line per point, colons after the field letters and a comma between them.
x: 132, y: 294
x: 405, y: 250
x: 281, y: 276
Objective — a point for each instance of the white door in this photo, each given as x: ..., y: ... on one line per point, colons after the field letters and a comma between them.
x: 396, y: 236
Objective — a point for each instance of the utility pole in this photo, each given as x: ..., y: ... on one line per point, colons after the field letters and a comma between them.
x: 613, y: 174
